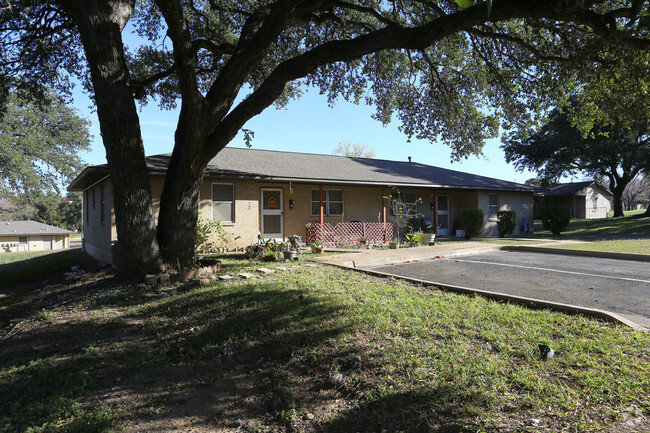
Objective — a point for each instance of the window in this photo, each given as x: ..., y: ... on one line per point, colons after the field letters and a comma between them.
x: 223, y: 202
x: 102, y: 218
x: 410, y: 201
x: 332, y: 202
x: 87, y: 201
x: 404, y: 203
x: 493, y: 205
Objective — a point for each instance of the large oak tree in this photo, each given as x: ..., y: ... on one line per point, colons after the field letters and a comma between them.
x: 615, y: 151
x: 448, y: 74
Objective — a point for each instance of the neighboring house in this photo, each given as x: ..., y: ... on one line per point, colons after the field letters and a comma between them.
x: 32, y: 236
x: 585, y: 200
x: 276, y: 194
x: 639, y: 204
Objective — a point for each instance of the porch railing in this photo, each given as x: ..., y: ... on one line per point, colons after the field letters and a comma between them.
x: 349, y: 234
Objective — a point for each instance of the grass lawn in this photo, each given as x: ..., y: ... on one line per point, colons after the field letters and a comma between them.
x: 630, y: 234
x: 16, y: 268
x: 313, y: 349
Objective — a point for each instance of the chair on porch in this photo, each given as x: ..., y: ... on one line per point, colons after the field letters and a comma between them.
x: 414, y: 224
x: 427, y: 225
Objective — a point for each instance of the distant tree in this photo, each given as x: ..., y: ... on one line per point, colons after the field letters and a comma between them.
x: 616, y: 151
x: 39, y: 144
x: 70, y: 211
x: 637, y: 189
x: 15, y: 209
x: 356, y: 150
x: 56, y: 210
x: 539, y: 182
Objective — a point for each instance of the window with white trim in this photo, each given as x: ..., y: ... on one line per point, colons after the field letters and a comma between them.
x: 404, y: 203
x: 332, y: 202
x: 493, y: 205
x: 223, y: 202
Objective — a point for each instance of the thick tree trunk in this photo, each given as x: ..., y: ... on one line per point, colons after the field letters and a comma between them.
x: 617, y: 198
x: 179, y: 202
x: 100, y: 24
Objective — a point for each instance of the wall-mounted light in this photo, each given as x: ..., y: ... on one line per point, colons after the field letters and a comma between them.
x: 431, y: 205
x: 291, y: 202
x: 290, y: 188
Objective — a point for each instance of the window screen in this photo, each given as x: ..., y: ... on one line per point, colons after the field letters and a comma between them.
x: 223, y: 202
x: 332, y: 202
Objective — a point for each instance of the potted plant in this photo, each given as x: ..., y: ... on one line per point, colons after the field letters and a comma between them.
x: 428, y: 238
x: 317, y: 247
x: 393, y: 244
x: 363, y: 243
x: 295, y: 241
x: 270, y: 256
x: 414, y: 238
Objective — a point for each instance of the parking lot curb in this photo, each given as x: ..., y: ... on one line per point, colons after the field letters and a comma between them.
x: 503, y: 297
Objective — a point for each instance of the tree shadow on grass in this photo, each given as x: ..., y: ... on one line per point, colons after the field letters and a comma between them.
x: 440, y: 410
x: 203, y: 354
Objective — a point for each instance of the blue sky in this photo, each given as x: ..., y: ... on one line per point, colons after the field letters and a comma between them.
x: 309, y: 125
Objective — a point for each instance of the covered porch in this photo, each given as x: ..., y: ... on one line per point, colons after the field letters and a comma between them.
x: 349, y: 234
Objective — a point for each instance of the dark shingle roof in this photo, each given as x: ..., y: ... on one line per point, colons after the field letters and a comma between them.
x: 306, y: 167
x: 24, y: 228
x: 571, y: 189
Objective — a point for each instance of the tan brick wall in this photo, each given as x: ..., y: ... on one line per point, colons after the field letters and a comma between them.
x: 360, y: 204
x: 245, y: 228
x: 520, y: 202
x: 35, y: 243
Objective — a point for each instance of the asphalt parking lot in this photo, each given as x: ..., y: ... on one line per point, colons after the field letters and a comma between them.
x: 618, y: 286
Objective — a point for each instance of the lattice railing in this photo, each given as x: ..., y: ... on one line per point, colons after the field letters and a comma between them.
x: 349, y: 234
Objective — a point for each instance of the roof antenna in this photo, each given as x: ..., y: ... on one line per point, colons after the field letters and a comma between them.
x: 409, y: 159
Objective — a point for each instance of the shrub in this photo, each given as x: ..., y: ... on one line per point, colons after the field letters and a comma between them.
x: 507, y: 222
x: 205, y: 229
x: 471, y: 221
x: 555, y: 219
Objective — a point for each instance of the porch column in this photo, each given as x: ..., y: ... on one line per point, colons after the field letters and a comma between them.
x: 435, y: 217
x: 321, y: 213
x: 383, y: 214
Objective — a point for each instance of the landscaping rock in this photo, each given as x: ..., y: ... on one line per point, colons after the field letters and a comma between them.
x: 246, y: 275
x: 533, y: 422
x: 225, y: 277
x: 150, y: 280
x: 265, y: 271
x: 338, y: 379
x: 205, y: 281
x: 282, y: 268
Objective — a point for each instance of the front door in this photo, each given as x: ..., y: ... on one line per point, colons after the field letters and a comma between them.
x: 272, y: 214
x: 443, y: 215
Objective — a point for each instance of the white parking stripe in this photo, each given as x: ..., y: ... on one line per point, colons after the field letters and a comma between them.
x: 547, y: 270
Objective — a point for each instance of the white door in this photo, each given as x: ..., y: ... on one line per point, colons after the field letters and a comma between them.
x: 272, y: 214
x: 443, y: 215
x: 47, y: 243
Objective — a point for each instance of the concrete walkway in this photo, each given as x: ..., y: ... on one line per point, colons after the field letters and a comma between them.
x: 367, y: 259
x: 370, y: 260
